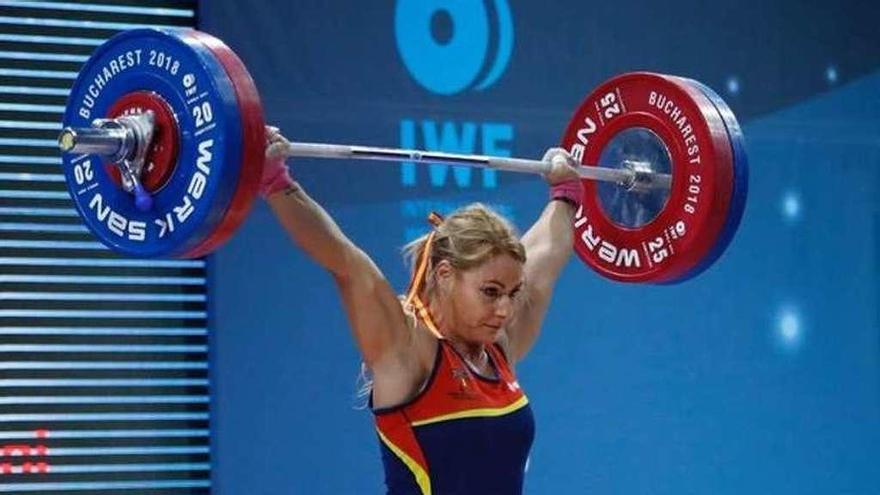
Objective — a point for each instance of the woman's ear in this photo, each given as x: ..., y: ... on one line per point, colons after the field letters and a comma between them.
x: 444, y: 274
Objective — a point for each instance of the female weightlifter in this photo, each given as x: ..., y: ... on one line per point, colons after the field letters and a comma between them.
x: 451, y: 416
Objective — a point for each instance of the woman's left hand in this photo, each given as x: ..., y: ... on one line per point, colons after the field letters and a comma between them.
x: 563, y: 168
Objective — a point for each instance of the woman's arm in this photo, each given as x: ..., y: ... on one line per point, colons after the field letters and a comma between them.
x: 548, y: 246
x: 375, y: 314
x: 374, y: 311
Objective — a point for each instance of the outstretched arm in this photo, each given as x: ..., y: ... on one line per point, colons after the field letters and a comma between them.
x: 375, y: 314
x: 548, y: 246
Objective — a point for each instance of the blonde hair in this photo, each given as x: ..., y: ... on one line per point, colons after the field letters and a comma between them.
x: 466, y: 238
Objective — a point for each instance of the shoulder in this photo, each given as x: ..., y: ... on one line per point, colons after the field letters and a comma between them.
x: 416, y: 359
x: 400, y: 380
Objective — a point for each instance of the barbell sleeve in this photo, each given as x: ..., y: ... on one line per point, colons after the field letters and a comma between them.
x: 94, y: 140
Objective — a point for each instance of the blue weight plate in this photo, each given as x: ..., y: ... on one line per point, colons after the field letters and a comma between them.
x: 740, y: 177
x: 193, y: 83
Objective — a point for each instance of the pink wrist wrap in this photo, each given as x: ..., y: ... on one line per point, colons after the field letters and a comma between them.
x: 570, y: 191
x: 276, y: 177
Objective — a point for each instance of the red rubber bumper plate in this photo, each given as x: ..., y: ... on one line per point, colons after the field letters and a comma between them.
x: 684, y: 231
x: 253, y: 143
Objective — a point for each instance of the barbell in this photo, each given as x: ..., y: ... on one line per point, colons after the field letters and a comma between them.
x: 163, y: 146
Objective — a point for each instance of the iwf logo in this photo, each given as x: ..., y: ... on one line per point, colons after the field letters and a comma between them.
x: 449, y: 46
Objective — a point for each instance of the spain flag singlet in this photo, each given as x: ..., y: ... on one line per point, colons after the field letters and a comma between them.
x: 463, y: 434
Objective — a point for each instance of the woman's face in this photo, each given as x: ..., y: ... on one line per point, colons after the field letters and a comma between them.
x: 482, y: 299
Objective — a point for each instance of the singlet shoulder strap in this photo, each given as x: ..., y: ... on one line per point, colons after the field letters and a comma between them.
x: 500, y: 358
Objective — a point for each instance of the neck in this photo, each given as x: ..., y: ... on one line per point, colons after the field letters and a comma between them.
x: 475, y: 353
x: 438, y: 315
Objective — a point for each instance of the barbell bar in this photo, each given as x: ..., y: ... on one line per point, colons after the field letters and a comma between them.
x: 112, y: 142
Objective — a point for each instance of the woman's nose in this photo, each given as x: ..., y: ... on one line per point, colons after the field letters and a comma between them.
x: 503, y: 307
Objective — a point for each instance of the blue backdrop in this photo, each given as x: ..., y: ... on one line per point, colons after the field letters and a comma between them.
x: 760, y: 376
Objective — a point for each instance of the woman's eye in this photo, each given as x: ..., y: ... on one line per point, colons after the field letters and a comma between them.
x: 490, y: 292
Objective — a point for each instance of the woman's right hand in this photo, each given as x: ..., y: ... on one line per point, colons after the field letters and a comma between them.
x: 275, y: 143
x: 276, y: 176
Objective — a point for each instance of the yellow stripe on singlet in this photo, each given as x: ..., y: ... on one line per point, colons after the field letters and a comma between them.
x: 422, y: 478
x: 476, y: 413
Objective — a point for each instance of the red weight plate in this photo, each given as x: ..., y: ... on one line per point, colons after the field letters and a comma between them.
x: 687, y: 227
x: 162, y: 155
x: 740, y: 167
x: 725, y: 178
x: 253, y: 144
